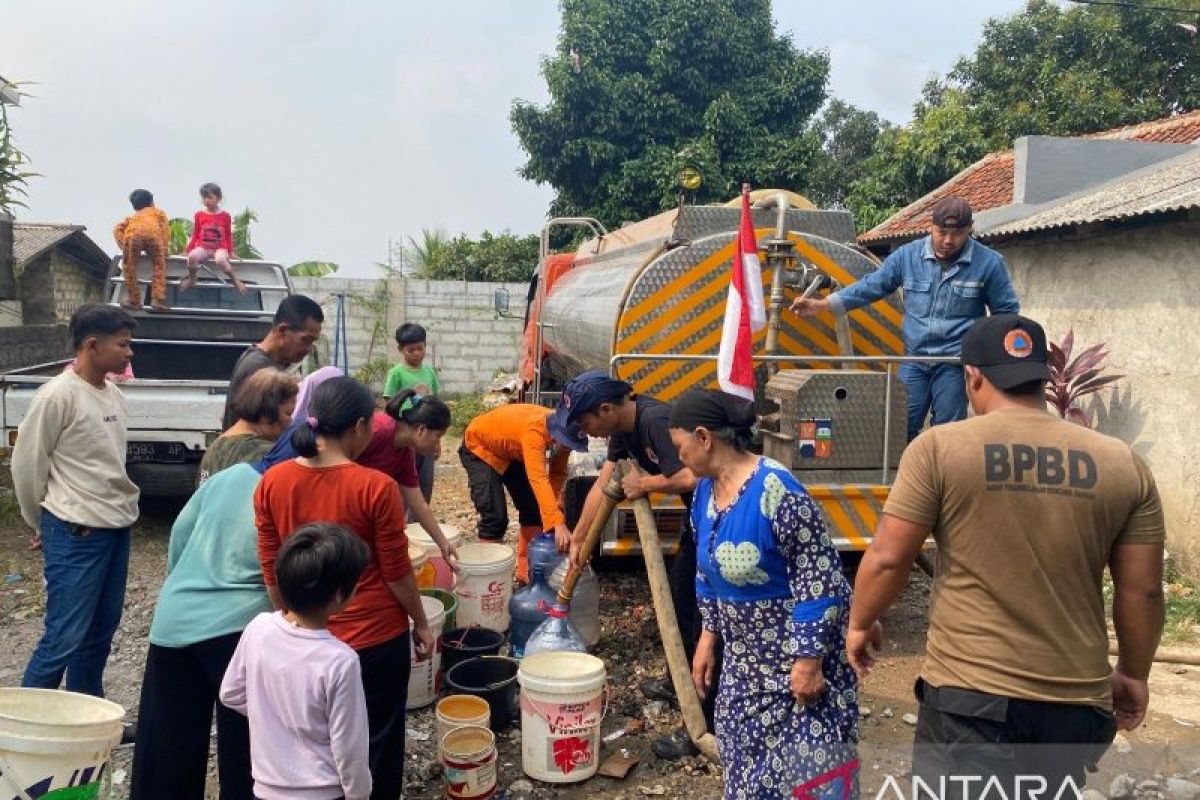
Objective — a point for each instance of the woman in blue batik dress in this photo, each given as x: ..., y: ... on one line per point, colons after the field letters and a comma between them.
x: 770, y: 586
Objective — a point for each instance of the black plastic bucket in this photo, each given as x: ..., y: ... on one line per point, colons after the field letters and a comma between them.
x: 460, y: 644
x: 493, y: 678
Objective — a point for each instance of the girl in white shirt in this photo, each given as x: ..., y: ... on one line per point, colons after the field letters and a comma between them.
x: 299, y: 686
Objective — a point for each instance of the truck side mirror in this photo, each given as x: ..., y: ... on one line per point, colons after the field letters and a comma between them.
x: 500, y: 302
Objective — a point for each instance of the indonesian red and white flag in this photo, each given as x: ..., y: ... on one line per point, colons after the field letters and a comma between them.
x: 745, y: 312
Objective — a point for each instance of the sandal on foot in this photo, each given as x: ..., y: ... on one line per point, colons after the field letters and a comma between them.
x: 159, y: 307
x: 129, y: 305
x: 189, y: 281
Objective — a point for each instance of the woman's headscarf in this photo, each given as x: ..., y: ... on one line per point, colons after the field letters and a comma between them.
x: 282, y: 450
x: 705, y: 408
x: 309, y: 385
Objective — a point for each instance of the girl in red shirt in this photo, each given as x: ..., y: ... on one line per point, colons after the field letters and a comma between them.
x: 212, y: 238
x: 325, y: 485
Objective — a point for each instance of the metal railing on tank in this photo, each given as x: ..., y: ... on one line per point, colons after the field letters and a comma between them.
x: 888, y: 361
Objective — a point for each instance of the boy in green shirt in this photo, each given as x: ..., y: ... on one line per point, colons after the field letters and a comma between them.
x: 412, y: 372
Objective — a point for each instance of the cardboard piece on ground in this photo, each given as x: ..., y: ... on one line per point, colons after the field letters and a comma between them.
x: 619, y: 763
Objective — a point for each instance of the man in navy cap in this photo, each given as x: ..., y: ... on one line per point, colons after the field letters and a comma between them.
x: 637, y: 428
x: 949, y: 281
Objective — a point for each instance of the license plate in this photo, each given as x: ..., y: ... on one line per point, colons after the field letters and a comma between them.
x: 160, y: 452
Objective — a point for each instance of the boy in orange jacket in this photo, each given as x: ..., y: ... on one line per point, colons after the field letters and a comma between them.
x: 145, y: 231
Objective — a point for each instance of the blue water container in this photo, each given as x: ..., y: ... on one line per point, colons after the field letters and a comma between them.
x: 529, y: 608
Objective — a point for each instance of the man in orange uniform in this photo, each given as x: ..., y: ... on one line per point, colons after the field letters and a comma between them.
x: 506, y: 449
x: 144, y: 231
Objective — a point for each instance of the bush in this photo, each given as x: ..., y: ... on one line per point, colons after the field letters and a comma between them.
x: 463, y: 410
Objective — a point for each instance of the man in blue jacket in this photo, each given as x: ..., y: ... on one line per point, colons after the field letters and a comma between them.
x: 949, y: 281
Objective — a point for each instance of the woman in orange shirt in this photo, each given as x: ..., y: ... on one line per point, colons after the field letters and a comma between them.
x: 325, y: 485
x: 506, y: 449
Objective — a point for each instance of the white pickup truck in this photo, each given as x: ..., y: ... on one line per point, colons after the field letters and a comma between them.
x: 182, y: 360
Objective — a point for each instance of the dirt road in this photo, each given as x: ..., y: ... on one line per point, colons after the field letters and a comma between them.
x: 629, y: 647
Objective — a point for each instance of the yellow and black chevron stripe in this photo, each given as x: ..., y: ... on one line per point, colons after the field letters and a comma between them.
x: 686, y: 312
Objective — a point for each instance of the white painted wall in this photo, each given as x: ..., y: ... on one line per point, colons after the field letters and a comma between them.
x: 1138, y: 291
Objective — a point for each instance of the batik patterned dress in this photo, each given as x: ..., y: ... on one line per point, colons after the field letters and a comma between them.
x: 770, y: 583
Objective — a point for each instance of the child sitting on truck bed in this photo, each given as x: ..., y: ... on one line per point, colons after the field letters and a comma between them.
x: 145, y: 231
x: 212, y: 238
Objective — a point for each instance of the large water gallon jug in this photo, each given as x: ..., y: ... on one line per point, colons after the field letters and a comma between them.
x: 585, y: 603
x: 543, y: 550
x: 528, y: 609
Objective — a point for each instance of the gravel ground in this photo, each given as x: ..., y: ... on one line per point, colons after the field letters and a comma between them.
x: 629, y: 647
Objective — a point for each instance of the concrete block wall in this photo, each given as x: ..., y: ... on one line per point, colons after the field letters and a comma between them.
x: 73, y: 285
x: 27, y: 345
x: 468, y: 345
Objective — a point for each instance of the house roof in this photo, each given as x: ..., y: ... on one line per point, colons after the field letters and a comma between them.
x: 32, y: 239
x: 1172, y: 185
x: 988, y: 183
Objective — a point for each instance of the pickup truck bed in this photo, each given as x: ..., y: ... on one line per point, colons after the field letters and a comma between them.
x: 181, y: 365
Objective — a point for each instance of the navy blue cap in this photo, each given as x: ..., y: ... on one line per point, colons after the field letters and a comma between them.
x: 568, y: 434
x: 587, y: 391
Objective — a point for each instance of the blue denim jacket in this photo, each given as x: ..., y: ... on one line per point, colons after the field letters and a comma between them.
x: 939, y: 304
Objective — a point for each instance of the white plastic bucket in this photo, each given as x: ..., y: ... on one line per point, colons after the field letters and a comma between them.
x: 461, y: 711
x: 51, y: 740
x: 469, y: 763
x: 423, y: 675
x: 417, y: 535
x: 562, y: 706
x: 485, y: 577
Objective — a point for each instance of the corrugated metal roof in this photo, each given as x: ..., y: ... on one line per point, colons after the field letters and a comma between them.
x: 32, y: 239
x: 1172, y: 185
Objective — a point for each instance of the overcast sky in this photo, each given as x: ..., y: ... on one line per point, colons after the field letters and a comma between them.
x: 344, y: 124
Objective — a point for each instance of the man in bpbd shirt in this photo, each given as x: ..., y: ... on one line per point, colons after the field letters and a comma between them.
x: 1027, y: 510
x: 949, y: 281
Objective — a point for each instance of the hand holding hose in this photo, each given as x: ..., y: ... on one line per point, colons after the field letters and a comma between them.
x: 810, y: 307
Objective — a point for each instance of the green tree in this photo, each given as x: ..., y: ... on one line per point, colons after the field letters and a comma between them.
x: 492, y: 257
x: 847, y: 136
x: 312, y: 269
x: 180, y: 234
x: 641, y: 88
x: 242, y: 246
x: 13, y: 173
x: 424, y: 255
x: 1050, y: 69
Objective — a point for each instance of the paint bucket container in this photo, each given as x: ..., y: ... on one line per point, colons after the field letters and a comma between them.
x: 423, y: 572
x: 460, y: 644
x: 562, y: 706
x: 493, y: 678
x: 54, y: 742
x: 449, y: 605
x: 485, y: 578
x: 423, y: 675
x: 461, y: 711
x: 469, y: 763
x: 417, y: 535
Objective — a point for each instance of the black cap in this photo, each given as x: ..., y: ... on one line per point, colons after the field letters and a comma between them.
x: 952, y: 212
x: 1008, y: 349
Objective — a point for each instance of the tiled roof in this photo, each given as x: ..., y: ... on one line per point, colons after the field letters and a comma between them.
x: 31, y: 239
x: 1172, y: 185
x: 988, y: 183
